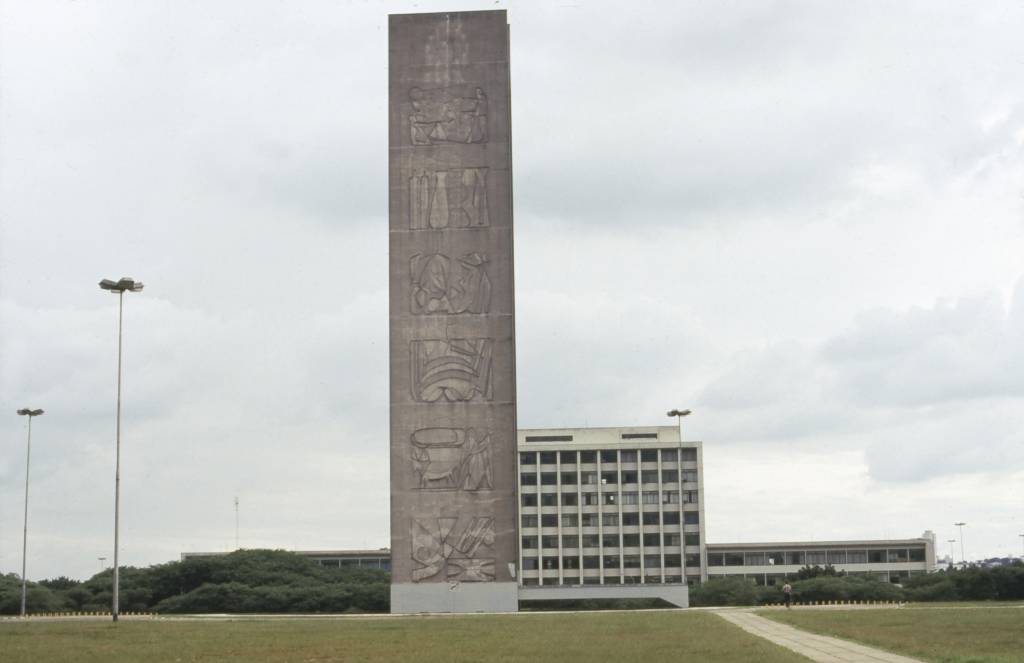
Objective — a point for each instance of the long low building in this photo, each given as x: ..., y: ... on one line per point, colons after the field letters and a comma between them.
x: 363, y: 559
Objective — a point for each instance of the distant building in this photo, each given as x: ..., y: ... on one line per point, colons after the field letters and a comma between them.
x: 365, y: 559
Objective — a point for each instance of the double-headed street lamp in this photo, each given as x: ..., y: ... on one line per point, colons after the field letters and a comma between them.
x: 26, y: 412
x: 679, y: 414
x: 125, y: 284
x: 963, y: 559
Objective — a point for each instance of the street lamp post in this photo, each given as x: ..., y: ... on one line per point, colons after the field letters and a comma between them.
x: 952, y: 560
x: 120, y: 287
x: 963, y: 559
x: 1021, y: 545
x: 26, y: 412
x: 679, y: 414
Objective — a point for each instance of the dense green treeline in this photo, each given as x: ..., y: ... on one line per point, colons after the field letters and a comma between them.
x: 1003, y: 583
x: 243, y: 581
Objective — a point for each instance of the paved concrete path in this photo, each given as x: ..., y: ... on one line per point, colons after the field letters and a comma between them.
x: 818, y: 648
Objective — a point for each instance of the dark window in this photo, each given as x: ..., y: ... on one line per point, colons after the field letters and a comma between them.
x: 639, y: 436
x: 795, y: 557
x: 669, y: 455
x: 591, y: 562
x: 549, y: 438
x: 734, y: 559
x: 569, y: 499
x: 651, y: 517
x: 570, y: 540
x: 549, y: 520
x: 613, y: 580
x: 551, y: 562
x: 610, y: 540
x: 631, y: 519
x: 649, y: 456
x: 691, y: 518
x: 588, y: 456
x: 527, y: 458
x: 529, y: 563
x: 567, y: 457
x: 528, y: 479
x: 688, y: 455
x: 917, y: 554
x: 568, y: 478
x: 693, y: 560
x: 591, y: 580
x: 529, y: 542
x: 590, y: 499
x: 714, y: 559
x: 548, y: 457
x: 609, y: 499
x: 529, y: 521
x: 876, y: 556
x: 548, y: 478
x: 627, y: 456
x: 571, y: 562
x: 631, y: 540
x: 549, y: 499
x: 528, y: 499
x: 669, y: 476
x: 631, y: 561
x: 588, y: 520
x: 629, y: 477
x: 590, y: 540
x: 611, y: 561
x: 652, y: 561
x: 671, y: 517
x: 649, y: 476
x: 609, y: 477
x: 549, y: 541
x: 609, y: 456
x: 694, y: 540
x: 652, y: 539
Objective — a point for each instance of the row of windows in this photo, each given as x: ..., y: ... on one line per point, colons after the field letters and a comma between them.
x: 817, y: 557
x: 608, y: 456
x: 609, y: 540
x: 772, y: 579
x: 610, y: 519
x: 608, y: 580
x: 592, y: 499
x: 588, y: 478
x: 608, y: 562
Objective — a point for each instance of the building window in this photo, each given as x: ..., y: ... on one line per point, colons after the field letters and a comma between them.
x: 649, y: 476
x: 549, y: 499
x: 610, y: 541
x: 670, y: 497
x: 754, y: 559
x: 714, y: 559
x: 549, y: 542
x: 613, y: 580
x: 693, y: 560
x: 588, y: 478
x: 529, y: 563
x: 688, y: 455
x: 570, y: 541
x: 527, y: 458
x: 857, y: 557
x: 571, y: 562
x: 651, y: 517
x: 917, y: 554
x: 876, y: 556
x: 549, y: 520
x: 567, y: 457
x: 529, y: 542
x: 588, y: 456
x: 608, y: 456
x: 816, y: 558
x: 609, y: 499
x: 570, y: 520
x: 569, y: 499
x: 652, y: 539
x: 529, y: 521
x: 610, y: 477
x: 652, y: 561
x: 689, y: 476
x: 629, y: 476
x: 590, y: 499
x: 795, y: 557
x: 611, y: 561
x: 898, y: 555
x: 588, y: 519
x: 691, y: 518
x: 631, y: 519
x: 610, y: 519
x: 669, y: 476
x: 650, y: 497
x: 528, y: 479
x: 568, y: 478
x: 548, y: 457
x: 591, y: 580
x: 627, y: 456
x: 550, y: 563
x: 672, y: 539
x: 630, y: 540
x: 629, y: 499
x: 591, y: 541
x: 548, y: 478
x: 689, y: 497
x: 694, y: 540
x: 837, y: 557
x: 649, y: 456
x: 674, y: 561
x: 671, y: 517
x: 528, y: 499
x: 591, y: 562
x: 673, y: 579
x: 631, y: 561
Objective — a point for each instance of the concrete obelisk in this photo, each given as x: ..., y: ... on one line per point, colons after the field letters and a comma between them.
x: 453, y: 394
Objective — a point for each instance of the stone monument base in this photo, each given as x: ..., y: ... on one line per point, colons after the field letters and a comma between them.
x: 417, y: 597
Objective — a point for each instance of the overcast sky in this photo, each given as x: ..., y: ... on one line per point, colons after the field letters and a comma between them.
x: 805, y: 221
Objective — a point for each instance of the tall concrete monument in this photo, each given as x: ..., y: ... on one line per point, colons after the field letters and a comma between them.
x: 453, y: 391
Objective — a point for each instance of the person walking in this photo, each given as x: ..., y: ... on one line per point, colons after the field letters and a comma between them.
x: 787, y: 594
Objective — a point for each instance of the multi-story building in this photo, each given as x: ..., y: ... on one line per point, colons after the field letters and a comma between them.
x: 610, y: 506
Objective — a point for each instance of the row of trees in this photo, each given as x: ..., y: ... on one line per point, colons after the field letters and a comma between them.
x: 826, y: 584
x: 243, y: 581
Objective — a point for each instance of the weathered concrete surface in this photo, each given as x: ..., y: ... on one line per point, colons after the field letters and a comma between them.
x: 453, y: 412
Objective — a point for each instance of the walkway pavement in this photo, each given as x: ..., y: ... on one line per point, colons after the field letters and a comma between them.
x: 818, y: 648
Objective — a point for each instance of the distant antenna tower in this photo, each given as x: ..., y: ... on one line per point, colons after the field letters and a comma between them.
x: 236, y: 523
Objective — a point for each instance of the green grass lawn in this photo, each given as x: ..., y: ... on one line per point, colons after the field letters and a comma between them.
x: 954, y: 634
x: 651, y: 637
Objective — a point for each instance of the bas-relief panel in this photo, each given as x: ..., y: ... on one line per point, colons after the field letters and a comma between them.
x: 453, y: 114
x: 452, y: 370
x: 460, y: 549
x: 453, y: 198
x: 442, y: 285
x: 452, y: 459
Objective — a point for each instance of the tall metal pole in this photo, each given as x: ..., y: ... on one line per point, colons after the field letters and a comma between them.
x: 952, y: 559
x: 117, y: 454
x: 236, y: 523
x: 1021, y: 545
x: 963, y: 560
x: 24, y: 536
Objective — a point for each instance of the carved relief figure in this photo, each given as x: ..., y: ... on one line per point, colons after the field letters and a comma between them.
x: 456, y: 114
x: 454, y: 198
x: 466, y: 554
x: 454, y: 370
x: 438, y: 286
x: 452, y: 459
